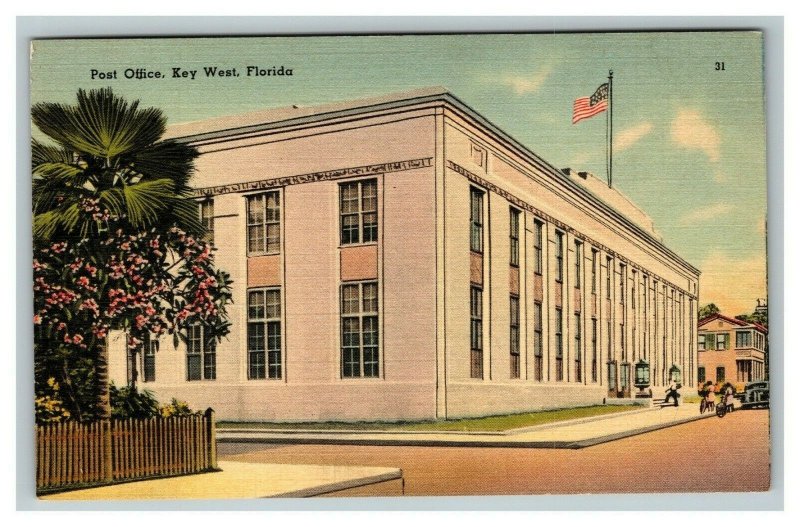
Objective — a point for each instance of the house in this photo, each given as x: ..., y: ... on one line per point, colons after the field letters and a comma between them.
x: 730, y: 350
x: 403, y: 258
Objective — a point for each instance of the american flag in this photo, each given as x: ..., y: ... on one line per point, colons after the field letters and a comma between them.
x: 586, y: 107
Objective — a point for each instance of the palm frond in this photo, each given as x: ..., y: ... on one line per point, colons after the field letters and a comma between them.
x: 146, y: 201
x: 185, y: 215
x: 166, y: 159
x: 42, y: 153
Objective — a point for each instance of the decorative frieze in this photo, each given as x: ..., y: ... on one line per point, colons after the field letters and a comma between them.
x: 328, y: 175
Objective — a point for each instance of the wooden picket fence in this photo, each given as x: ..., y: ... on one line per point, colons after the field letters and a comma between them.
x: 71, y: 454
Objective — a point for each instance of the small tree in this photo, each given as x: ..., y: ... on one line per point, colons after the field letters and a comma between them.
x: 143, y: 283
x: 707, y: 310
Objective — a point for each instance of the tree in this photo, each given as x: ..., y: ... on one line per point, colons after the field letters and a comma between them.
x: 116, y: 243
x: 109, y: 150
x: 707, y: 310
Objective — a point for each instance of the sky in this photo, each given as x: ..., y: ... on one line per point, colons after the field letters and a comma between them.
x: 689, y: 136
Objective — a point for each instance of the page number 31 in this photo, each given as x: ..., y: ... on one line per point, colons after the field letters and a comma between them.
x: 719, y: 66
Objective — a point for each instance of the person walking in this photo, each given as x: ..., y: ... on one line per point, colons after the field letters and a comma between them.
x: 729, y: 398
x: 672, y: 392
x: 711, y: 397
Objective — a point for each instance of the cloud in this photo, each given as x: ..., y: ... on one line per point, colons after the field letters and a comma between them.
x: 733, y: 282
x: 706, y: 213
x: 630, y: 136
x: 522, y: 84
x: 690, y: 130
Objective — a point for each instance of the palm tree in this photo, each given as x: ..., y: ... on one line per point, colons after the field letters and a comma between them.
x: 108, y: 149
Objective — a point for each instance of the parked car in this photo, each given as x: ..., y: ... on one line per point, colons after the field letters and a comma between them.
x: 756, y: 394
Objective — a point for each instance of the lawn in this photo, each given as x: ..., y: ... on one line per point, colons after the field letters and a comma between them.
x: 494, y: 423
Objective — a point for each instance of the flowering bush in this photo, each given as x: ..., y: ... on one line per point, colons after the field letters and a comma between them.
x: 176, y: 408
x: 146, y: 282
x: 49, y: 406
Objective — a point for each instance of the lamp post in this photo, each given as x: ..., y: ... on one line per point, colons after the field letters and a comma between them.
x: 642, y: 379
x: 675, y: 374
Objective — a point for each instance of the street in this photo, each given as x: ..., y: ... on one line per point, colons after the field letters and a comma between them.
x: 729, y: 454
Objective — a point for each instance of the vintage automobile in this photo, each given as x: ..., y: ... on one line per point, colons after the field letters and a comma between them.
x: 756, y: 394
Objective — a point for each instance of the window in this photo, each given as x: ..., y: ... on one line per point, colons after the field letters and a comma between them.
x: 264, y: 223
x: 720, y: 373
x: 538, y: 350
x: 149, y: 348
x: 633, y: 290
x: 609, y: 270
x: 559, y: 256
x: 622, y: 283
x: 537, y: 246
x: 476, y: 332
x: 514, y: 236
x: 207, y: 219
x: 622, y: 341
x: 701, y: 343
x: 476, y: 220
x: 609, y: 338
x: 559, y: 347
x: 578, y: 348
x: 514, y: 332
x: 744, y: 339
x: 358, y: 207
x: 578, y: 246
x: 722, y: 341
x: 594, y: 271
x: 594, y: 350
x: 701, y: 374
x: 264, y: 334
x: 360, y: 329
x: 201, y: 356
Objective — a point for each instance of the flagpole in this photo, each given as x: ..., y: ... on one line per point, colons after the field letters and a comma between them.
x: 610, y: 126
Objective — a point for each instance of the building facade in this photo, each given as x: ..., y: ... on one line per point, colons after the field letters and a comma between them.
x: 403, y: 258
x: 731, y: 350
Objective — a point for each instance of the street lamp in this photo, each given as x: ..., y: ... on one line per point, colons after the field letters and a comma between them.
x: 642, y: 378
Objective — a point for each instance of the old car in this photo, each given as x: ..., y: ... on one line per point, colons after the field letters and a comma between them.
x: 756, y: 394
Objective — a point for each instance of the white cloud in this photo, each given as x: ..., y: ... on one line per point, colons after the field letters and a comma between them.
x: 706, y: 213
x: 630, y: 136
x: 522, y: 84
x: 733, y: 282
x: 691, y: 130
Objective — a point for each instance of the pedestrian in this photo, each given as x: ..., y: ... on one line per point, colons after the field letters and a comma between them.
x: 672, y: 392
x: 711, y: 398
x: 729, y: 398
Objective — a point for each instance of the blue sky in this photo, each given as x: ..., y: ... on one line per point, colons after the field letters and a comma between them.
x: 690, y: 139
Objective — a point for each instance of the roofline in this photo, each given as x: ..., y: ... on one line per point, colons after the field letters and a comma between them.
x: 446, y: 98
x: 732, y: 320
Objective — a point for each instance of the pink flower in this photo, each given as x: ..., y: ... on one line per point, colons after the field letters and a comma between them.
x: 37, y: 319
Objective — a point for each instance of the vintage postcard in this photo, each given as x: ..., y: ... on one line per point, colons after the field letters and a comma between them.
x: 400, y: 265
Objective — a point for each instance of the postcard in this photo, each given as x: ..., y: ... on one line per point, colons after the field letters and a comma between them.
x: 399, y: 265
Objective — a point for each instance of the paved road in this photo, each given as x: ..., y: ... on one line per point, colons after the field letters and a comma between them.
x: 729, y: 454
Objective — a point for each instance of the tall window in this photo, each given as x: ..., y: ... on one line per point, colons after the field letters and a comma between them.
x: 476, y: 220
x: 360, y: 329
x: 622, y: 283
x: 609, y: 272
x: 720, y: 373
x: 538, y: 347
x: 148, y: 350
x: 207, y: 219
x: 514, y: 332
x: 609, y: 339
x: 722, y: 341
x: 476, y: 332
x: 701, y: 343
x: 264, y: 223
x: 358, y: 207
x: 201, y: 356
x: 633, y: 290
x: 514, y: 235
x: 264, y: 334
x: 594, y: 271
x: 559, y: 346
x: 559, y: 256
x: 594, y: 350
x: 578, y: 246
x: 701, y: 374
x: 578, y: 348
x: 537, y: 246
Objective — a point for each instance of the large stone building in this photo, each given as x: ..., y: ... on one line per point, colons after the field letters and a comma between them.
x: 404, y: 258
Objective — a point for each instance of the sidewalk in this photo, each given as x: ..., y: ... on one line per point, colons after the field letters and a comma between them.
x: 245, y: 480
x: 580, y: 433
